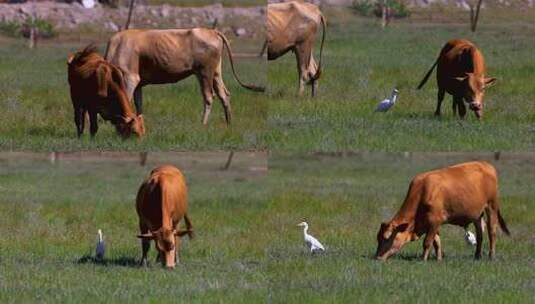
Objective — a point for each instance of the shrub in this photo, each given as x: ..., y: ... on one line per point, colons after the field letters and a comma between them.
x: 45, y: 29
x: 369, y: 8
x: 10, y: 28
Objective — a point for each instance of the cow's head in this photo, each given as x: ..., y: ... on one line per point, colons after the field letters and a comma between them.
x: 390, y: 238
x: 473, y: 87
x: 167, y: 242
x: 126, y: 126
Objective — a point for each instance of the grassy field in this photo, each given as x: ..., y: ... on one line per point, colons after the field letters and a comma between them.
x: 51, y: 212
x: 346, y: 198
x: 362, y: 64
x: 247, y: 247
x: 37, y: 112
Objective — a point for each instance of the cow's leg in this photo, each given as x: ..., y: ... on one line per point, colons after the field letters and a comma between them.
x: 223, y: 94
x: 428, y: 241
x: 314, y: 85
x: 132, y: 83
x: 460, y: 105
x: 440, y: 98
x: 206, y: 81
x: 93, y: 124
x: 492, y: 224
x: 177, y: 245
x: 145, y: 245
x: 454, y: 107
x: 79, y: 120
x: 138, y: 99
x: 303, y: 51
x: 438, y: 247
x: 479, y: 238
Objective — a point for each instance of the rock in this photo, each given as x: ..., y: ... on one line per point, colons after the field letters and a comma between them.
x: 165, y: 11
x: 88, y: 3
x: 240, y: 31
x: 111, y: 26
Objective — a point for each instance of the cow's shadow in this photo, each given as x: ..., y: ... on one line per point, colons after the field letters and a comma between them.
x: 120, y: 261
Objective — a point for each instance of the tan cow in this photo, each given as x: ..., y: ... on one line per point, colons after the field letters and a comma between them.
x: 167, y: 56
x: 97, y: 87
x: 162, y: 201
x: 455, y: 195
x: 461, y: 72
x: 292, y: 26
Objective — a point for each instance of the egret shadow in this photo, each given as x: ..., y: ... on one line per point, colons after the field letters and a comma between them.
x: 120, y: 261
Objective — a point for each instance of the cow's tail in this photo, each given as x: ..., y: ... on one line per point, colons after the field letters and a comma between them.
x: 318, y: 71
x: 427, y: 75
x: 245, y: 85
x: 503, y: 225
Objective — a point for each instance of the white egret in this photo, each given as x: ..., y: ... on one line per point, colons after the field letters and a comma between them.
x: 313, y: 244
x: 386, y: 104
x: 101, y: 246
x: 470, y: 238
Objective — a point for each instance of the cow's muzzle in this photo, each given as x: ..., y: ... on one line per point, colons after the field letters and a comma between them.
x: 477, y: 107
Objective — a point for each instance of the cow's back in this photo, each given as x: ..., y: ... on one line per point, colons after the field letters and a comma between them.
x: 162, y: 196
x: 461, y: 192
x: 291, y: 22
x: 162, y: 56
x: 458, y: 57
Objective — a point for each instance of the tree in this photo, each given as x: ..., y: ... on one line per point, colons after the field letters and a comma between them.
x: 130, y: 10
x: 474, y: 15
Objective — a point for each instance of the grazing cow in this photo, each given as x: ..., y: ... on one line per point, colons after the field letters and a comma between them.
x: 455, y: 195
x: 167, y: 56
x: 97, y: 87
x: 461, y: 73
x: 162, y: 201
x: 292, y: 26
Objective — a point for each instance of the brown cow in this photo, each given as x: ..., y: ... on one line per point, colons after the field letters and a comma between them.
x: 97, y: 87
x: 292, y: 26
x: 455, y: 195
x: 162, y: 201
x: 167, y: 56
x: 461, y: 73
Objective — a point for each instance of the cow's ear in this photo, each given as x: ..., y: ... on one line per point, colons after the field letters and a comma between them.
x: 386, y: 228
x: 103, y: 74
x: 490, y: 82
x: 70, y: 58
x: 146, y: 236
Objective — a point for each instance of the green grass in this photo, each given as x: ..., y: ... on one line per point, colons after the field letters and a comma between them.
x: 362, y: 64
x: 247, y: 247
x: 37, y: 111
x: 346, y: 198
x: 51, y: 212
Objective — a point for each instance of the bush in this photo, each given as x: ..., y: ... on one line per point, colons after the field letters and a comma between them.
x: 369, y: 8
x: 364, y: 7
x: 45, y: 29
x: 10, y: 28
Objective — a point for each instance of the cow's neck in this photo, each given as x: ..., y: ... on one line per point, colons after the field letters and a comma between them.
x: 124, y: 105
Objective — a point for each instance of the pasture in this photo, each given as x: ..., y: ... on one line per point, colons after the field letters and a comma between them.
x: 52, y: 210
x: 345, y: 198
x: 247, y: 246
x: 363, y: 63
x: 38, y: 113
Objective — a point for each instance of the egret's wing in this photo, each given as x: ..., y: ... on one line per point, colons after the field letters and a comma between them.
x: 315, y: 242
x: 383, y: 106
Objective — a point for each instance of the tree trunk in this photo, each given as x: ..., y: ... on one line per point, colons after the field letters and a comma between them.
x: 384, y: 22
x: 474, y: 17
x: 229, y: 161
x: 130, y: 10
